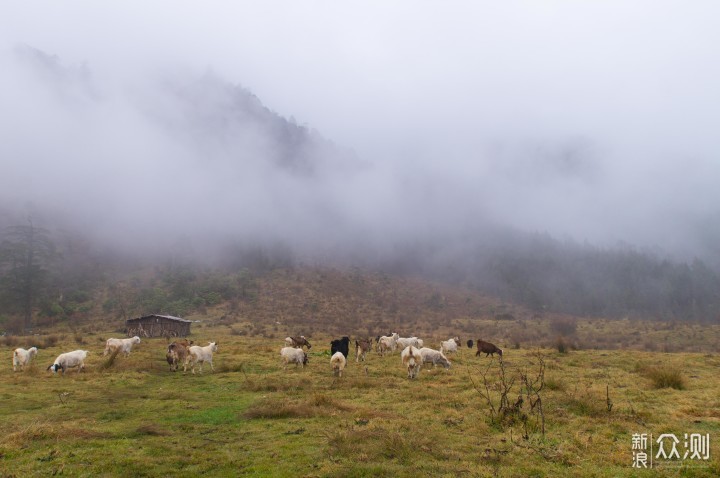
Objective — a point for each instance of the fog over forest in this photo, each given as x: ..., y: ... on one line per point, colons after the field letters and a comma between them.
x: 365, y: 133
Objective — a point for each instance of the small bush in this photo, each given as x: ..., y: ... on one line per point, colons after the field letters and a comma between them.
x: 665, y: 376
x: 561, y: 346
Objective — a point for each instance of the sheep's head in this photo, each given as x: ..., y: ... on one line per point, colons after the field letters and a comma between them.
x: 55, y: 367
x: 306, y: 359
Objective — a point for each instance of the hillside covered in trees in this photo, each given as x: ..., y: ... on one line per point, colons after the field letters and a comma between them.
x: 47, y: 277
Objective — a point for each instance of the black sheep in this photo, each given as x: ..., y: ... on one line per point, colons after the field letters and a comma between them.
x: 340, y: 345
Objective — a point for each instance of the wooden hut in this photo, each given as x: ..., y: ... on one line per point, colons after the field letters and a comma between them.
x: 158, y: 326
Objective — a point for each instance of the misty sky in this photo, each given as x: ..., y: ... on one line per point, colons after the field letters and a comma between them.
x: 596, y: 121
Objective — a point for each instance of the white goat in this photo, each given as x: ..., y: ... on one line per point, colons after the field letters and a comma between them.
x: 408, y: 341
x: 123, y: 346
x: 447, y: 346
x: 293, y: 355
x: 435, y: 357
x: 338, y: 362
x: 67, y: 360
x: 200, y: 354
x: 412, y: 360
x: 388, y: 342
x: 22, y: 358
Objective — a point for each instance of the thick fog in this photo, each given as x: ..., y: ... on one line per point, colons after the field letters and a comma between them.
x: 417, y: 121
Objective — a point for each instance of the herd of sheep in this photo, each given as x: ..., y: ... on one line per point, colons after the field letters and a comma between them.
x: 413, y: 353
x: 182, y: 352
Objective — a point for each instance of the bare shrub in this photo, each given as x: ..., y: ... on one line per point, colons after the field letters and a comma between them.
x: 498, y: 392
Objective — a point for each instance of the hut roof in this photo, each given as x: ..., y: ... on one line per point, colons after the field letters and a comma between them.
x: 169, y: 317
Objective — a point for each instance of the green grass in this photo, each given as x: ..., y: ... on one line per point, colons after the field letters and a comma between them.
x: 133, y: 417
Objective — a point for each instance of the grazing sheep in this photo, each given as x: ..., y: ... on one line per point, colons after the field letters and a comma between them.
x: 388, y: 343
x: 338, y: 363
x: 412, y: 360
x: 447, y: 346
x: 470, y: 344
x: 362, y: 347
x: 177, y: 353
x: 488, y: 349
x: 200, y: 354
x: 22, y: 358
x: 67, y: 360
x: 298, y: 342
x: 408, y: 341
x: 340, y: 345
x: 435, y: 357
x: 377, y: 339
x: 121, y: 345
x: 294, y: 355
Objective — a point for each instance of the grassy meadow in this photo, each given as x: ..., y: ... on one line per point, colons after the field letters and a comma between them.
x: 133, y: 417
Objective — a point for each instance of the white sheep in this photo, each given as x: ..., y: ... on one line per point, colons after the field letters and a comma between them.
x: 197, y: 354
x: 388, y: 343
x: 447, y: 346
x: 435, y: 357
x: 22, y: 358
x: 412, y: 360
x: 293, y: 355
x: 76, y: 358
x: 408, y: 341
x: 123, y: 346
x: 338, y: 362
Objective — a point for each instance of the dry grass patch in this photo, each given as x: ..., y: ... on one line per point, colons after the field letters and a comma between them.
x: 663, y: 376
x: 374, y: 444
x: 315, y: 406
x: 45, y: 430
